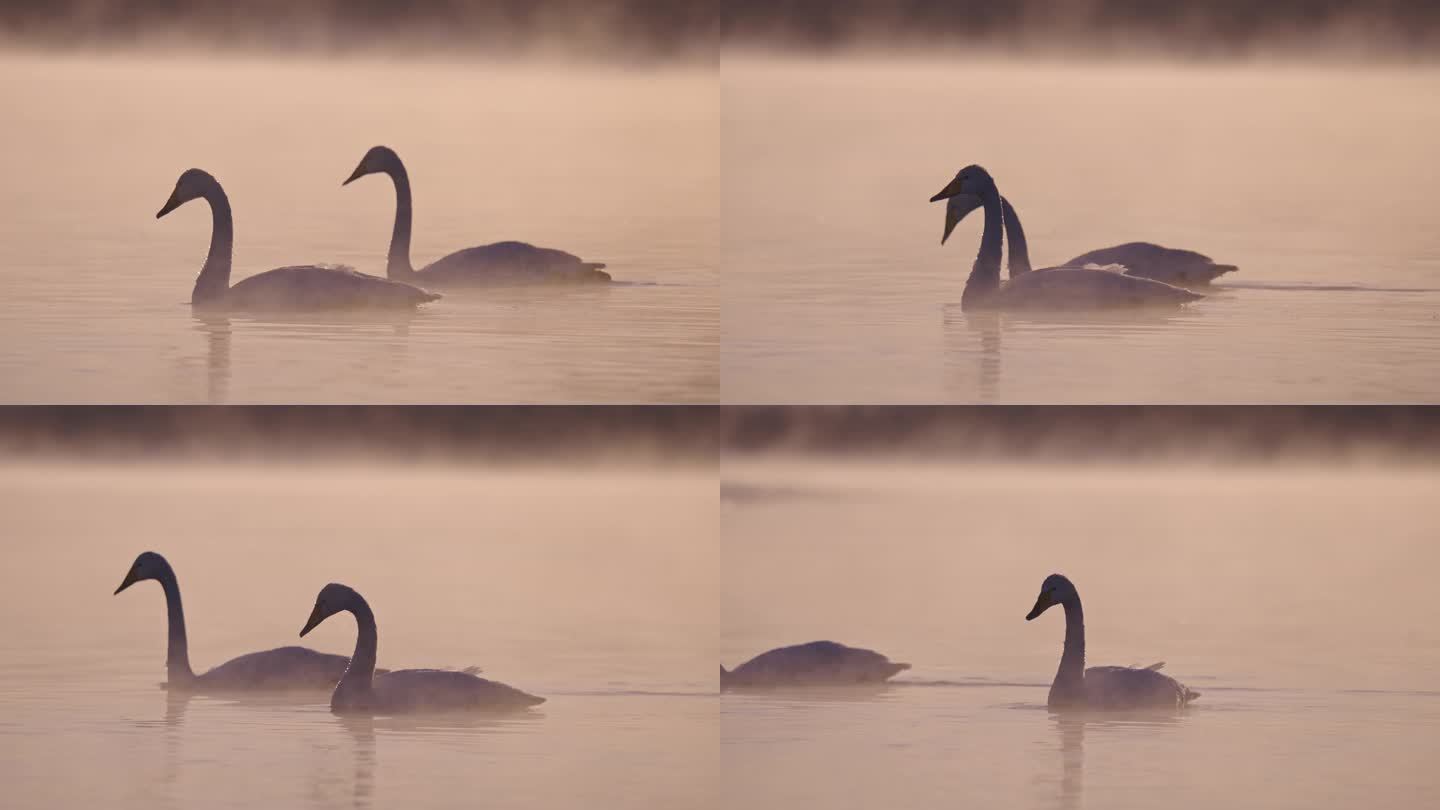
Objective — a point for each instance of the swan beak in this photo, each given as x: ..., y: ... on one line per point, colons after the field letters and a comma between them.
x: 951, y: 189
x: 957, y: 209
x: 355, y: 175
x: 170, y: 205
x: 129, y: 580
x: 1042, y: 603
x: 316, y: 617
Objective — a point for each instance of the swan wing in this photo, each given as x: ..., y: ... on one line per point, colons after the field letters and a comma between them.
x: 279, y: 669
x: 418, y: 690
x: 1134, y: 688
x: 512, y: 263
x: 1081, y: 288
x: 1149, y: 260
x: 322, y: 287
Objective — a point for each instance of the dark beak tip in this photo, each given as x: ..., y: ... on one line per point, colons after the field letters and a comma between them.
x: 938, y: 197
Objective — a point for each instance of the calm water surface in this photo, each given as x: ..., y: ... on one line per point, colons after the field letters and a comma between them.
x: 613, y: 165
x: 1317, y: 182
x: 605, y: 607
x: 1297, y: 601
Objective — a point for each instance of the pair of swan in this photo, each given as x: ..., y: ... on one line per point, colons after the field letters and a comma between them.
x: 826, y: 663
x: 1133, y: 275
x: 359, y: 688
x: 314, y: 287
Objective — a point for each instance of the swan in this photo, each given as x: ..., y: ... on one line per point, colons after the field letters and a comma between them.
x: 818, y: 663
x: 1051, y: 288
x: 403, y: 691
x: 1105, y: 688
x: 493, y: 264
x: 298, y: 287
x: 1182, y: 268
x: 277, y: 669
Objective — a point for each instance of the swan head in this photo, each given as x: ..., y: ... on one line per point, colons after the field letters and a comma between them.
x: 193, y: 184
x: 964, y: 193
x: 378, y: 159
x: 148, y: 565
x: 1055, y: 590
x: 334, y: 598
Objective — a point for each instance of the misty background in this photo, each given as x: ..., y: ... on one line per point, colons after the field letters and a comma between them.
x: 631, y: 29
x: 567, y: 434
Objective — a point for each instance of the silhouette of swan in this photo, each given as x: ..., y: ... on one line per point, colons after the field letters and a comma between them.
x: 283, y: 668
x: 818, y: 663
x: 1051, y: 288
x: 297, y: 287
x: 1103, y: 688
x: 403, y: 691
x: 493, y: 264
x: 1182, y: 268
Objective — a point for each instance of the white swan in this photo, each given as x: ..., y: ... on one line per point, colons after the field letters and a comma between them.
x: 1182, y: 268
x: 493, y: 264
x: 1051, y: 288
x: 1104, y: 688
x: 818, y: 663
x: 278, y: 669
x: 298, y: 287
x: 403, y: 691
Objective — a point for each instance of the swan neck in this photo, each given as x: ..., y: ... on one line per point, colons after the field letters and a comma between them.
x: 397, y: 264
x: 362, y: 664
x: 1070, y: 678
x: 1019, y: 249
x: 214, y: 278
x: 177, y: 649
x: 985, y: 274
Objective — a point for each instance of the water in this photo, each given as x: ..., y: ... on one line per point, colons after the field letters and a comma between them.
x: 606, y: 607
x: 1316, y: 181
x: 613, y: 165
x: 1297, y: 601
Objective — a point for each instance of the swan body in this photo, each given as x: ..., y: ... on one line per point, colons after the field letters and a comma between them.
x: 818, y: 663
x: 283, y: 668
x: 1047, y: 289
x: 500, y: 263
x: 1100, y: 688
x: 404, y: 691
x: 307, y: 287
x: 1182, y: 268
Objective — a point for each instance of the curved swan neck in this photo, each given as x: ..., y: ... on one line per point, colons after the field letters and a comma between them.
x: 397, y: 264
x: 1019, y: 250
x: 214, y: 278
x: 177, y: 650
x: 1070, y: 677
x: 985, y: 274
x: 362, y: 664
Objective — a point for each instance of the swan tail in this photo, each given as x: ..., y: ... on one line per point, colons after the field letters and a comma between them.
x: 593, y: 271
x: 1189, y: 695
x: 1156, y: 667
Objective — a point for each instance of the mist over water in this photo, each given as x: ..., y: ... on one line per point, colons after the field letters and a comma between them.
x: 604, y: 162
x: 1313, y: 179
x: 1294, y: 598
x: 594, y: 588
